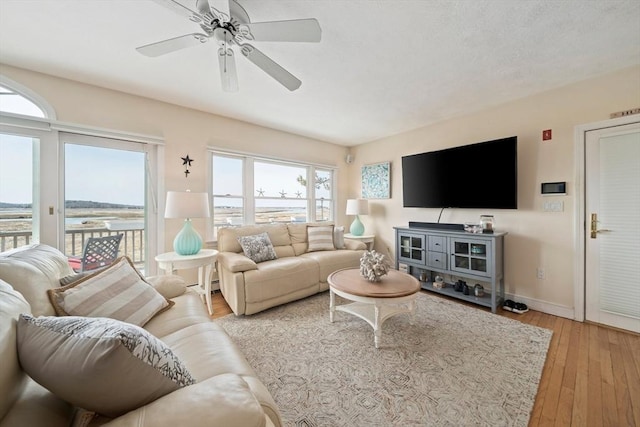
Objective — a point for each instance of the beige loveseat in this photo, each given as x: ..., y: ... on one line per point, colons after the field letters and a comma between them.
x: 250, y: 287
x: 226, y: 393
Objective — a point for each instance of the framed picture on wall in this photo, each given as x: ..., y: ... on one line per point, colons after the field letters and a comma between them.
x: 376, y: 181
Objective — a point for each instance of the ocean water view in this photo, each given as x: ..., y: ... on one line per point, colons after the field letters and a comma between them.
x: 20, y: 219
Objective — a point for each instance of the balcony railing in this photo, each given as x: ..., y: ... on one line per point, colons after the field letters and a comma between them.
x: 132, y: 244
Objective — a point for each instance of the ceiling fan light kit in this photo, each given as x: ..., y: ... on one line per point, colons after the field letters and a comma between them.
x: 228, y: 24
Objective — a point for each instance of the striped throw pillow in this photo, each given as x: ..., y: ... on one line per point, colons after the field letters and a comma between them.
x: 117, y: 292
x: 320, y: 238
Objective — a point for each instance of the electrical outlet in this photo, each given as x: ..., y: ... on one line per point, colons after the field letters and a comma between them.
x: 540, y: 273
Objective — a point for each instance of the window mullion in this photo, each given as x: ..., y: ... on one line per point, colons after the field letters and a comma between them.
x: 311, y: 194
x: 249, y: 192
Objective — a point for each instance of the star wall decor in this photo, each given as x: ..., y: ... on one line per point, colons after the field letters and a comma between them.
x: 186, y: 162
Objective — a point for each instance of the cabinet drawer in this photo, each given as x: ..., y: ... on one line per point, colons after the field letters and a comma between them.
x: 437, y: 243
x: 438, y: 260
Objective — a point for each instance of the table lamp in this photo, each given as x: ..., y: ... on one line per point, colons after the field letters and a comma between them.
x: 185, y: 204
x: 357, y: 207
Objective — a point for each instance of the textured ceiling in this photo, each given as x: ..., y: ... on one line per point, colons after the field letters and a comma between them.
x: 383, y: 66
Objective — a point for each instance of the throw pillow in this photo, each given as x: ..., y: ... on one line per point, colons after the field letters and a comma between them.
x: 258, y: 247
x: 118, y: 292
x: 169, y: 286
x: 338, y: 237
x: 320, y: 238
x: 67, y: 280
x: 99, y: 364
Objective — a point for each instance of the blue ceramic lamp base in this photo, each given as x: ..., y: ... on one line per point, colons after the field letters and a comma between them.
x: 188, y: 241
x: 357, y: 228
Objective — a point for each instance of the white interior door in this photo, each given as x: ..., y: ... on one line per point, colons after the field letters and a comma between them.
x: 612, y: 240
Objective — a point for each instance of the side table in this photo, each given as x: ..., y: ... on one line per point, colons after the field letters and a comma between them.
x: 367, y: 239
x: 203, y: 260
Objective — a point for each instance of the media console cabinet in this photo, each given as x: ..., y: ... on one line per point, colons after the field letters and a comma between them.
x: 471, y: 257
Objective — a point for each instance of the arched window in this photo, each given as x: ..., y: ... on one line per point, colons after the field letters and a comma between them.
x: 21, y: 184
x: 13, y: 102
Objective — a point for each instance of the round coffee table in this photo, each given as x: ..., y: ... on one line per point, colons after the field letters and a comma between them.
x: 373, y: 302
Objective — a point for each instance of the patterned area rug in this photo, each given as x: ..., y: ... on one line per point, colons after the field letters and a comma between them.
x: 456, y: 366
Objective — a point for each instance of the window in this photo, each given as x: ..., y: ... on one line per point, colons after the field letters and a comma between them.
x: 45, y: 167
x: 16, y: 191
x: 323, y: 186
x: 252, y: 190
x: 13, y: 102
x: 228, y: 199
x: 104, y: 191
x: 280, y: 193
x: 20, y: 220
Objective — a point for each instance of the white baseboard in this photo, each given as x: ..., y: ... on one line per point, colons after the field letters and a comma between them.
x: 545, y: 306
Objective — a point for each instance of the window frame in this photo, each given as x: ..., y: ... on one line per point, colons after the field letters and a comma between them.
x: 48, y: 194
x: 249, y: 196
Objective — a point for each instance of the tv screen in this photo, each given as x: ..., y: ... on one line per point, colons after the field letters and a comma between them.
x: 481, y: 175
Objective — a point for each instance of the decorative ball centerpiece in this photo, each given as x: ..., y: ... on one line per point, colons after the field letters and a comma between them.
x: 373, y: 266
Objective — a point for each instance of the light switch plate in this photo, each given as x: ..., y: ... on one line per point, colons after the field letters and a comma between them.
x: 557, y: 206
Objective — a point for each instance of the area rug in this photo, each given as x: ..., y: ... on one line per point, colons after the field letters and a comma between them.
x: 455, y: 366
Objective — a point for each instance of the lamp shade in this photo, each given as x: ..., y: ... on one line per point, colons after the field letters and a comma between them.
x: 185, y: 204
x: 357, y: 207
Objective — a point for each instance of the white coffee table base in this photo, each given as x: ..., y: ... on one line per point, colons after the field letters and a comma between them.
x: 373, y: 310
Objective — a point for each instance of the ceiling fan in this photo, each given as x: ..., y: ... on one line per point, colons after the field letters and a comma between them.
x: 226, y: 22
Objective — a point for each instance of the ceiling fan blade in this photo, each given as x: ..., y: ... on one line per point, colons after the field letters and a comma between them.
x: 269, y: 66
x: 228, y: 73
x: 171, y: 45
x: 182, y: 10
x: 220, y: 9
x: 238, y: 12
x: 203, y: 7
x: 296, y: 30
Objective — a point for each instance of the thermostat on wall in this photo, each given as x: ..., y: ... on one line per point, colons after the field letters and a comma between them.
x: 553, y: 188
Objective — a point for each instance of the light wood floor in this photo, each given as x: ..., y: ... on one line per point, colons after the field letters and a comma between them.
x: 591, y: 376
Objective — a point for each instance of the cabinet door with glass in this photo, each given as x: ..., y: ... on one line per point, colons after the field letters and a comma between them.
x: 471, y: 256
x: 411, y: 248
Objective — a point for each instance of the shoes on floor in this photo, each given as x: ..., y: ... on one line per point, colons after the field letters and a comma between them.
x: 520, y: 308
x: 516, y: 307
x: 508, y: 305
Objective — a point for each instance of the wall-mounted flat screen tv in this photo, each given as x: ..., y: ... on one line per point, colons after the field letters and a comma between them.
x: 481, y: 175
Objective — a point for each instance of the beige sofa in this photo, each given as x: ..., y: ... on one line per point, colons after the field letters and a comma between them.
x: 227, y: 391
x: 250, y: 287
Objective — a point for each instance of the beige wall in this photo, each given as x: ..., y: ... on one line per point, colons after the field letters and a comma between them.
x: 536, y: 238
x: 184, y: 130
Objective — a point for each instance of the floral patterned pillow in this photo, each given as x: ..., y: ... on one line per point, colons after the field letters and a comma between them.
x: 258, y: 247
x: 99, y: 364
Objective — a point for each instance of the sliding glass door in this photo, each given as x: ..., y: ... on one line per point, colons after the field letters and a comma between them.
x: 16, y: 191
x: 59, y: 185
x: 105, y: 183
